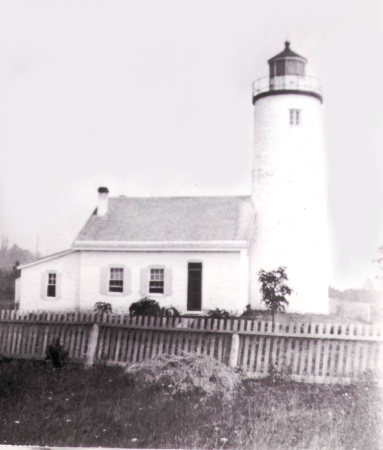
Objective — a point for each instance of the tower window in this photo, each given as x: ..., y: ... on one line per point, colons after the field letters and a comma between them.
x: 295, y: 116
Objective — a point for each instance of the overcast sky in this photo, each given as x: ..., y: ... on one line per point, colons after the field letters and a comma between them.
x: 153, y: 97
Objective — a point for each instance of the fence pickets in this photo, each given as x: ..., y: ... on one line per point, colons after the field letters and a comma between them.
x: 307, y: 351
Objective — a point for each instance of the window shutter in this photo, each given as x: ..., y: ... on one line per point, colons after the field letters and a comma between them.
x: 104, y: 280
x: 127, y: 281
x: 58, y: 285
x: 144, y: 282
x: 168, y: 281
x: 44, y: 285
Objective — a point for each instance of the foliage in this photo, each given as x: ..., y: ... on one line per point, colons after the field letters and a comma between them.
x: 103, y: 408
x: 56, y: 354
x: 10, y: 259
x: 10, y: 254
x: 363, y: 295
x: 170, y: 312
x: 278, y: 375
x: 185, y: 374
x: 145, y: 307
x: 102, y: 307
x: 274, y: 290
x: 252, y: 313
x: 149, y: 307
x: 220, y: 314
x: 7, y: 284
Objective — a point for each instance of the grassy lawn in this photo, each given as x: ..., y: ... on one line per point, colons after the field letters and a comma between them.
x: 102, y: 407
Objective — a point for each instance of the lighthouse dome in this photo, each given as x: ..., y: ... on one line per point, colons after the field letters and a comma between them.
x: 287, y: 63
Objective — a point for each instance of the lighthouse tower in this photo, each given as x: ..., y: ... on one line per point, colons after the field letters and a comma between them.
x: 289, y: 183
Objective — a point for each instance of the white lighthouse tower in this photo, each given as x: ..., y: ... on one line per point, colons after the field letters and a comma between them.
x: 289, y: 183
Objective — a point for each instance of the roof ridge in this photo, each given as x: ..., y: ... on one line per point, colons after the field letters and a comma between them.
x: 126, y: 197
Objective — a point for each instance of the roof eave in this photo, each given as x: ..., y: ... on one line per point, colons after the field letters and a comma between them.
x: 280, y: 56
x: 142, y: 246
x: 48, y: 258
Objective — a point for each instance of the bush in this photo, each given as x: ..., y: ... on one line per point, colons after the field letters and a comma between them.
x: 148, y: 307
x: 185, y: 374
x: 56, y: 354
x: 145, y: 307
x: 170, y: 312
x: 102, y: 307
x: 220, y: 314
x: 278, y: 376
x: 252, y: 313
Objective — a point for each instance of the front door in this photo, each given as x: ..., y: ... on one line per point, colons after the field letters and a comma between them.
x: 194, y: 286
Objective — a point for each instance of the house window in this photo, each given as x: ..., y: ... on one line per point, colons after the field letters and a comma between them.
x: 295, y: 116
x: 116, y: 279
x: 52, y: 283
x: 156, y: 281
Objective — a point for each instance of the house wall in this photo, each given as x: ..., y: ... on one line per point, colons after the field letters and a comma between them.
x: 224, y: 280
x: 223, y: 274
x: 31, y: 284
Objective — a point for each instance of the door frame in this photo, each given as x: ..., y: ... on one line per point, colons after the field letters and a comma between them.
x: 193, y: 261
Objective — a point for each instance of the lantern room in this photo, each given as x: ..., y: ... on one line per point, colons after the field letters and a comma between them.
x: 287, y: 74
x: 287, y: 63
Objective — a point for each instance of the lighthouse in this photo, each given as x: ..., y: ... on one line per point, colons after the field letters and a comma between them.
x: 289, y: 187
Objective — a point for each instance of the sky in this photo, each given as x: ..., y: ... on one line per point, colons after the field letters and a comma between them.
x: 153, y: 98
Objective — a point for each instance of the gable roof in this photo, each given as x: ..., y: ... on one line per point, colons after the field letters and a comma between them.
x: 169, y: 219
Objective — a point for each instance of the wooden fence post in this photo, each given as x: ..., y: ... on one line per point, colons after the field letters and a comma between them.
x: 92, y: 345
x: 234, y: 351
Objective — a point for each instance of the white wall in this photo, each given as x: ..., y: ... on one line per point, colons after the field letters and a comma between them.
x: 31, y: 284
x: 223, y: 277
x: 290, y: 199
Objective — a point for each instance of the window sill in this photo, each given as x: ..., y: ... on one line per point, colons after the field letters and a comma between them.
x: 116, y: 294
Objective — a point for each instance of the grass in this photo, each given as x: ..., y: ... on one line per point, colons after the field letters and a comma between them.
x: 102, y: 407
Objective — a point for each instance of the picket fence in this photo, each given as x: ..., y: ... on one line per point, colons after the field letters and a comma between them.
x: 317, y: 352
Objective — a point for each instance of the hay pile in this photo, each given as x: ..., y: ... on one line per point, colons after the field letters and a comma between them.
x: 185, y: 374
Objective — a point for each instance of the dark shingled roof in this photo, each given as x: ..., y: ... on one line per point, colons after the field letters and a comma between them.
x: 286, y: 53
x: 171, y: 219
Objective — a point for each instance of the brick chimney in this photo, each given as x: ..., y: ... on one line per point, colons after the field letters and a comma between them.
x: 102, y: 207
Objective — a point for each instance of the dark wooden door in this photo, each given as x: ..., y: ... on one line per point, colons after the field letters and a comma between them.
x: 194, y: 286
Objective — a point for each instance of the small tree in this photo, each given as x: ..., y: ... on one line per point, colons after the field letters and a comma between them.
x: 274, y: 290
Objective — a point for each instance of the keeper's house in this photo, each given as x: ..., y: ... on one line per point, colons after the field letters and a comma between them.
x: 190, y: 252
